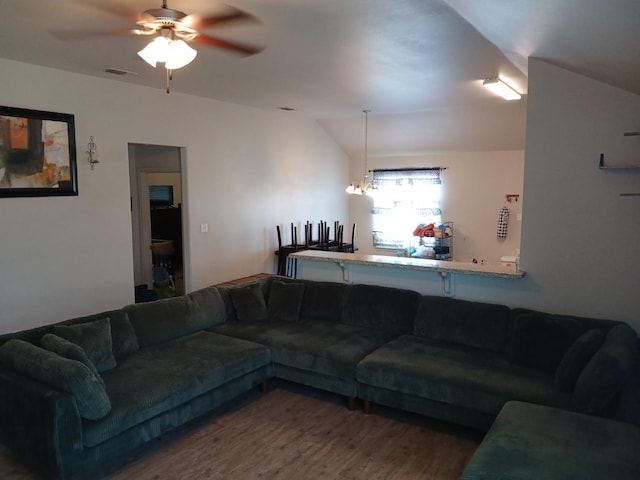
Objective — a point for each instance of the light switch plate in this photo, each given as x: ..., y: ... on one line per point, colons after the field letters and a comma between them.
x: 204, y: 227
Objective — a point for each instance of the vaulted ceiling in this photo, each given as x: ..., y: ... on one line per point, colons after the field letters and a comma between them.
x: 417, y: 65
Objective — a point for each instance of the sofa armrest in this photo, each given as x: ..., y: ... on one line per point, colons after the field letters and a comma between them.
x: 608, y: 372
x: 37, y: 422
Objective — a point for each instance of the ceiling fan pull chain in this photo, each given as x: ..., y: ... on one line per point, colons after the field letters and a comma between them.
x: 169, y: 76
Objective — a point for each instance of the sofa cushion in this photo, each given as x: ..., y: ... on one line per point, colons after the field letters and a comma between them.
x: 474, y: 324
x: 59, y: 372
x: 576, y: 358
x: 170, y: 318
x: 381, y: 308
x: 540, y: 340
x: 285, y: 300
x: 453, y: 374
x: 94, y: 338
x: 159, y: 378
x: 322, y: 301
x: 249, y: 303
x: 230, y: 311
x: 327, y: 348
x: 603, y: 376
x: 70, y: 350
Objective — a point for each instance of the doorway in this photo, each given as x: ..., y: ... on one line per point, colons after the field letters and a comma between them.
x: 157, y: 219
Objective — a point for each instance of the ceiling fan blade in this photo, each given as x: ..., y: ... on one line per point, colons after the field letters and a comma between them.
x: 114, y: 8
x: 84, y: 34
x: 235, y: 47
x: 232, y: 16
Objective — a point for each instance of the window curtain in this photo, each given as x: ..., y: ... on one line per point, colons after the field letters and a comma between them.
x: 404, y: 199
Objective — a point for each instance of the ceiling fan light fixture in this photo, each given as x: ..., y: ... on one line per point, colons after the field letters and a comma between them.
x: 155, y: 51
x: 173, y: 53
x: 499, y: 87
x: 179, y: 54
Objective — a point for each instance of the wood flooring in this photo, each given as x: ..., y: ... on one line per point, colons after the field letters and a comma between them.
x: 290, y: 433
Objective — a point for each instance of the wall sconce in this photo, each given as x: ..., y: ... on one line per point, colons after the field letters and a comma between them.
x: 92, y: 153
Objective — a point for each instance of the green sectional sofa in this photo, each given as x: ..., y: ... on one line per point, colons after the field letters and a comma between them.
x: 82, y: 393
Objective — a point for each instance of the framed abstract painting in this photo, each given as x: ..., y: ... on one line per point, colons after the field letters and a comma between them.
x: 37, y: 153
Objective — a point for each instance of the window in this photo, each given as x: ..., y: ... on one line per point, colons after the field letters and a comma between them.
x: 405, y: 198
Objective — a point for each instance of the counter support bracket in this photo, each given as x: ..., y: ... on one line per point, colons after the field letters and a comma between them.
x: 448, y: 284
x: 346, y: 273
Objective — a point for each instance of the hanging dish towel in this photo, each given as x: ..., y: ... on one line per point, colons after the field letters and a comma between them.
x: 503, y: 222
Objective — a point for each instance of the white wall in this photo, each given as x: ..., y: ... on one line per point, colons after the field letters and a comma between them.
x: 474, y: 188
x: 247, y: 170
x: 579, y: 237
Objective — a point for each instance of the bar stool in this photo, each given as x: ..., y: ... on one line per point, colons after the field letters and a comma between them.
x: 287, y: 267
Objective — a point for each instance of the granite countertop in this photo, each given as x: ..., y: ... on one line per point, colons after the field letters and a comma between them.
x: 440, y: 266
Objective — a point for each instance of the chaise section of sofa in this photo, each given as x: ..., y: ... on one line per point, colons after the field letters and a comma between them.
x: 166, y: 371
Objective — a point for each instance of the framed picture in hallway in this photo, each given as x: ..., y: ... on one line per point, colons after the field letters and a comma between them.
x: 37, y: 153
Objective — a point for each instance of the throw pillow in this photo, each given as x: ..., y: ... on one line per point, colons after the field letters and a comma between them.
x: 248, y: 301
x: 285, y: 300
x: 123, y: 337
x: 576, y: 358
x: 94, y: 338
x: 540, y: 340
x: 604, y: 375
x: 206, y: 308
x: 70, y: 350
x: 62, y: 373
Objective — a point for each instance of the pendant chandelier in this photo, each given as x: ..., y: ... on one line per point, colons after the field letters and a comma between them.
x: 364, y: 187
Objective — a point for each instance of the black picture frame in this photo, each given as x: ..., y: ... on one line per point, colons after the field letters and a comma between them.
x: 37, y: 153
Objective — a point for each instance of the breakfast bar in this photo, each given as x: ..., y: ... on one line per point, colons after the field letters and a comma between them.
x: 415, y: 267
x: 443, y: 267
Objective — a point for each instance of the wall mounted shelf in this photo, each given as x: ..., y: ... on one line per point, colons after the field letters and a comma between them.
x: 602, y: 166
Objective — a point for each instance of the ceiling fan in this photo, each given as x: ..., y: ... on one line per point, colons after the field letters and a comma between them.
x: 172, y: 30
